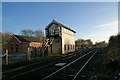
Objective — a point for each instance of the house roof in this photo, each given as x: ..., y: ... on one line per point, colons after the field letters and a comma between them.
x: 21, y: 38
x: 55, y: 22
x: 26, y: 39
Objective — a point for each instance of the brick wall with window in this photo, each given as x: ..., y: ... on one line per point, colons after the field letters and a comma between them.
x: 14, y: 46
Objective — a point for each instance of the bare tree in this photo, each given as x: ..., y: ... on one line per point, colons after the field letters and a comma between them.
x: 6, y: 36
x: 39, y: 34
x: 28, y: 32
x: 24, y: 32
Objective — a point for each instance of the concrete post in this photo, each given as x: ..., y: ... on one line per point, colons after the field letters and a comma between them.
x: 28, y: 54
x: 6, y: 57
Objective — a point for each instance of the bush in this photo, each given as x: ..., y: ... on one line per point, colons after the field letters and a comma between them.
x: 113, y: 53
x: 4, y: 46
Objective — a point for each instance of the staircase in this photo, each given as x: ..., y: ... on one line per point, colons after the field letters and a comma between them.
x: 45, y: 44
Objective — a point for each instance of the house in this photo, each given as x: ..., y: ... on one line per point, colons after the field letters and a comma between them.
x: 19, y: 43
x: 88, y: 43
x: 79, y: 43
x: 61, y: 38
x: 83, y: 44
x: 100, y: 44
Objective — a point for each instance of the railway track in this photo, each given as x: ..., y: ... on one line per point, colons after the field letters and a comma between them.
x: 34, y: 67
x: 71, y: 70
x: 34, y: 63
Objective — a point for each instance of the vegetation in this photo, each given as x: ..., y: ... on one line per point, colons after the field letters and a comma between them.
x: 113, y: 48
x: 38, y: 33
x: 4, y: 46
x: 81, y: 43
x: 112, y: 52
x: 106, y: 66
x: 5, y: 36
x: 25, y: 32
x: 28, y: 32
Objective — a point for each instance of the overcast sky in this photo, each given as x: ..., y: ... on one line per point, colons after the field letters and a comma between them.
x: 91, y: 20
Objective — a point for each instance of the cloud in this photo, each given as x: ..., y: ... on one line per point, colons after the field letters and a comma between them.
x: 113, y: 24
x: 104, y: 31
x: 100, y: 10
x: 103, y: 35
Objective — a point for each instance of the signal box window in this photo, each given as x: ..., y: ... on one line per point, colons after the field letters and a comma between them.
x: 65, y: 47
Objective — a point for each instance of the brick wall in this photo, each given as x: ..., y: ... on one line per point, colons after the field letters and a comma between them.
x: 22, y: 47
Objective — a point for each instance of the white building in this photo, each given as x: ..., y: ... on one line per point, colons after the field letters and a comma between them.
x: 62, y: 38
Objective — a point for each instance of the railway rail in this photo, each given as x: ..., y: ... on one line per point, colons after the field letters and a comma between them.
x: 35, y: 66
x: 71, y: 70
x: 30, y: 67
x: 36, y: 69
x: 34, y: 63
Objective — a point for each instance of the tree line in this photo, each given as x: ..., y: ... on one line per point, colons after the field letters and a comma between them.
x: 114, y: 47
x: 5, y: 36
x: 113, y: 53
x: 38, y: 33
x: 25, y: 32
